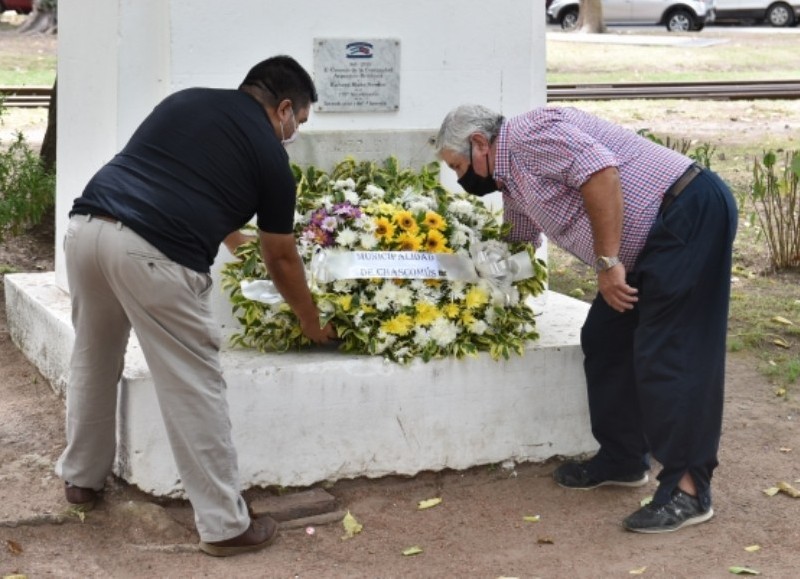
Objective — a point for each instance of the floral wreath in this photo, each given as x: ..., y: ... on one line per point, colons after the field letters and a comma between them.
x: 448, y: 284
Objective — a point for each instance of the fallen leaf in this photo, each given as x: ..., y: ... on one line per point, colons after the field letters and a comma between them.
x: 532, y: 518
x: 780, y: 342
x: 638, y: 571
x: 13, y: 547
x: 428, y: 503
x: 77, y: 511
x: 771, y: 491
x: 785, y: 449
x: 412, y: 551
x: 782, y: 320
x: 788, y: 489
x: 646, y: 501
x: 545, y: 541
x: 780, y: 392
x: 15, y: 576
x: 743, y: 571
x: 752, y: 548
x: 351, y: 526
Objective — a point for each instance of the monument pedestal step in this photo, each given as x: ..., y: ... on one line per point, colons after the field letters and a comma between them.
x: 301, y: 418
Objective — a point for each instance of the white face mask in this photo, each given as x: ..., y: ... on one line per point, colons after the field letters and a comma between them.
x: 293, y: 136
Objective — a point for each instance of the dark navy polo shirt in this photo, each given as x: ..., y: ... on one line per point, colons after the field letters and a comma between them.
x: 199, y: 167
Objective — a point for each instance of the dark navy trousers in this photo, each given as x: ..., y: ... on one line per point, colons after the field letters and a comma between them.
x: 655, y: 374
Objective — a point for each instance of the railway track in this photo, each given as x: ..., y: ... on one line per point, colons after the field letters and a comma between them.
x: 739, y: 90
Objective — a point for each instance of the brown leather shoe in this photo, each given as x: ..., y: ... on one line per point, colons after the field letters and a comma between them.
x: 81, y: 497
x: 261, y: 532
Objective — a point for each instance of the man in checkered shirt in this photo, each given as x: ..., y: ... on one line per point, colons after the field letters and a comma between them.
x: 659, y: 231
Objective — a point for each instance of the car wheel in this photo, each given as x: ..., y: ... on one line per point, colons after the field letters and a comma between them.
x: 780, y: 15
x: 681, y: 21
x: 569, y: 19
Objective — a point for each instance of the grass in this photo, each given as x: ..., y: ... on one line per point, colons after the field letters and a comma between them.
x: 33, y: 67
x: 735, y: 58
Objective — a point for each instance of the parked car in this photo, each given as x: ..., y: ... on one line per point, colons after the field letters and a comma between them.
x: 774, y: 12
x: 21, y: 6
x: 676, y: 15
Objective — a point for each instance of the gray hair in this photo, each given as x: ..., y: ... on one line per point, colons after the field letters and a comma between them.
x: 462, y: 122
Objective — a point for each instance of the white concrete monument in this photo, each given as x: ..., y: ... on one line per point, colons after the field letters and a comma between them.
x: 302, y: 418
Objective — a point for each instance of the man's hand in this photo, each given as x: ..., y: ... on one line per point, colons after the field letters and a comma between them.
x: 618, y: 294
x: 286, y: 270
x: 316, y: 334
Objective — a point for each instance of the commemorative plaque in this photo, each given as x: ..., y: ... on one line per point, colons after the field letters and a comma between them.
x: 357, y: 75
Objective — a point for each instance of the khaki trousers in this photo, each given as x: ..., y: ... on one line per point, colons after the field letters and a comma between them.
x: 117, y: 281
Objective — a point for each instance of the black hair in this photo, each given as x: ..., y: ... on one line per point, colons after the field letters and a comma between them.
x: 281, y: 77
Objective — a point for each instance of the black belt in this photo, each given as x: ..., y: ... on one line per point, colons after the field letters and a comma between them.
x: 678, y: 186
x: 101, y: 216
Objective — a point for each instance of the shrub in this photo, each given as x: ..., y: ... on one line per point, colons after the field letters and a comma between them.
x: 775, y: 201
x: 27, y: 190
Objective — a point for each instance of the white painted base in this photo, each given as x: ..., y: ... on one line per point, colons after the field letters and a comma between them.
x: 303, y: 418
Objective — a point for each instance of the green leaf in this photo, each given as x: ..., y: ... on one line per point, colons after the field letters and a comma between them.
x: 743, y: 571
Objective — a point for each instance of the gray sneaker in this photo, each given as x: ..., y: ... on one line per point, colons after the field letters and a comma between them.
x: 681, y: 511
x: 575, y: 475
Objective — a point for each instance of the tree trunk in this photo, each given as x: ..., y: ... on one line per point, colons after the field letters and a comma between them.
x: 47, y: 154
x: 43, y: 19
x: 591, y: 17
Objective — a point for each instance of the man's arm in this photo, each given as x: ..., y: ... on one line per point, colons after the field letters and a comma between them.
x: 235, y: 239
x: 286, y: 271
x: 602, y: 199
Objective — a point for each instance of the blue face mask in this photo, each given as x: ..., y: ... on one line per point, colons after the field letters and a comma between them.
x: 474, y: 183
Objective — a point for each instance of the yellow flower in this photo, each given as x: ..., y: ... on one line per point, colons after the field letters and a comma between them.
x: 407, y: 241
x: 476, y: 298
x: 345, y: 301
x: 367, y: 309
x: 405, y: 221
x: 385, y: 208
x: 427, y: 313
x: 384, y: 228
x: 399, y: 325
x: 451, y: 310
x: 467, y: 318
x: 435, y: 242
x: 435, y: 221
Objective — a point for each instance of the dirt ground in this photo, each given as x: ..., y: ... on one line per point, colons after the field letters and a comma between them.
x: 477, y: 531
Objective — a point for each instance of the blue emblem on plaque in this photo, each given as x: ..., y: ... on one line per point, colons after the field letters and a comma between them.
x: 359, y: 50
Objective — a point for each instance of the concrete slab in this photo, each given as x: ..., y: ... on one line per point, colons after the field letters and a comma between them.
x: 302, y: 418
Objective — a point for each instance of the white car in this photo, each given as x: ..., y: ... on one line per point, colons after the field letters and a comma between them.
x: 676, y: 15
x: 774, y: 12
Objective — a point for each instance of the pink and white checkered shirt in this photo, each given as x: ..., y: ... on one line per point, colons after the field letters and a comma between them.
x: 546, y: 155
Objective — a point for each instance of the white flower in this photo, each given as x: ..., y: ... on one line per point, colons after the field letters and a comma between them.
x: 461, y: 207
x: 421, y: 337
x: 344, y: 184
x: 443, y: 332
x: 404, y: 297
x: 478, y: 327
x: 385, y: 296
x: 374, y: 191
x: 347, y: 237
x: 351, y: 197
x: 368, y: 241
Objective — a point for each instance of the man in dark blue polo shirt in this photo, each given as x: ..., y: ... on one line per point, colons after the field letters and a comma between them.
x: 140, y: 241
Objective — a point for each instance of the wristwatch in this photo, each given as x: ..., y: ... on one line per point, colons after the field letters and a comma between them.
x: 603, y: 263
